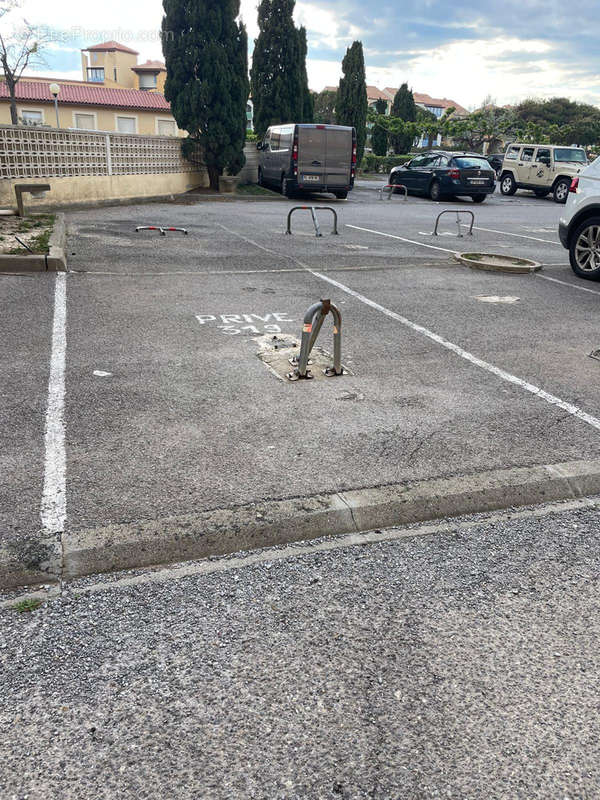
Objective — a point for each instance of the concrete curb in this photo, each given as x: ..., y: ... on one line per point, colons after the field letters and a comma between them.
x: 55, y: 261
x: 275, y: 522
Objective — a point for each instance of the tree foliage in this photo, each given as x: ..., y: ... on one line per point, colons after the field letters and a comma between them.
x: 379, y: 135
x: 206, y: 55
x: 20, y: 47
x: 403, y: 108
x: 352, y: 104
x: 278, y: 77
x: 324, y: 107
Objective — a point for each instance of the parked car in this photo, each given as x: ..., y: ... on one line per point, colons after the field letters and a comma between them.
x: 438, y: 173
x: 496, y: 160
x: 311, y: 158
x: 543, y: 168
x: 579, y: 225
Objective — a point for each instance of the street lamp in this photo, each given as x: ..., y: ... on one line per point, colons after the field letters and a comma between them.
x: 55, y: 89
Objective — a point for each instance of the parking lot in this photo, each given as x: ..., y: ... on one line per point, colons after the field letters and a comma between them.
x: 152, y: 373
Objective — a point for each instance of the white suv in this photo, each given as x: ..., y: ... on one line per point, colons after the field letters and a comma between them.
x: 542, y: 168
x: 579, y: 226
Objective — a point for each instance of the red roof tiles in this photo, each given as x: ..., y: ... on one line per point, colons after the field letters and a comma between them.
x: 87, y: 95
x: 108, y: 46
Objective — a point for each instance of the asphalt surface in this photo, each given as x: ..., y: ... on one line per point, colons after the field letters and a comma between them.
x: 460, y: 662
x: 168, y: 410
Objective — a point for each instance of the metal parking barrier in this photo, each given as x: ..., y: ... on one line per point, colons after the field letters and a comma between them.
x: 312, y: 210
x: 158, y: 228
x: 454, y: 211
x: 313, y: 321
x: 389, y: 188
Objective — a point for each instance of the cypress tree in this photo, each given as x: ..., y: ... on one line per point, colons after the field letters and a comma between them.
x: 278, y: 76
x: 206, y: 55
x: 379, y: 135
x: 308, y: 103
x: 352, y: 104
x: 404, y: 108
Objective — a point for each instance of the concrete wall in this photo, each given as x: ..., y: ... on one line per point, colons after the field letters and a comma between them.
x: 98, y: 189
x: 249, y: 173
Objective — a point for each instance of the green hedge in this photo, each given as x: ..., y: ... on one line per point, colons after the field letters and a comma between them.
x: 382, y: 164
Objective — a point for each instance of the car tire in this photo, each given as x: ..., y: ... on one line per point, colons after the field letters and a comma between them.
x: 507, y: 185
x: 478, y: 198
x: 541, y: 192
x: 584, y: 249
x: 286, y: 189
x: 560, y: 193
x: 341, y: 195
x: 435, y: 191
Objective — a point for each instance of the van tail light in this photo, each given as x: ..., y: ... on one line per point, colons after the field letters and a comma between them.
x: 454, y: 174
x: 574, y: 185
x: 353, y: 154
x: 295, y: 156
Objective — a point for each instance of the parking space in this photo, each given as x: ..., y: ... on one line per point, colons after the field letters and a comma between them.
x: 169, y: 411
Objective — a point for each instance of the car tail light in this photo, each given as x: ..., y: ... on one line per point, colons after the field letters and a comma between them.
x: 454, y: 174
x: 574, y: 185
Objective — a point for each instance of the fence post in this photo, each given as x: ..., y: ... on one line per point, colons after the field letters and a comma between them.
x: 108, y: 155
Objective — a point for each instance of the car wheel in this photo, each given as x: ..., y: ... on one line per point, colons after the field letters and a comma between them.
x: 435, y: 191
x: 341, y: 195
x: 541, y: 192
x: 561, y: 191
x: 478, y: 198
x: 286, y: 189
x: 507, y: 185
x: 584, y: 250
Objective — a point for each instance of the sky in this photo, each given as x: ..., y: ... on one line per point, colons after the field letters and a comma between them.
x: 465, y: 51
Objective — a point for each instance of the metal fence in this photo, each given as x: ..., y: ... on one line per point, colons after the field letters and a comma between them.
x: 28, y: 152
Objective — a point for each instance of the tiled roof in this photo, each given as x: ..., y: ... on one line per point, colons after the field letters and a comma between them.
x: 427, y: 100
x: 373, y: 93
x: 150, y: 65
x: 87, y: 95
x: 107, y: 46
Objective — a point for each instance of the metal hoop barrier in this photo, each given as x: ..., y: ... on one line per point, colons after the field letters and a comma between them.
x: 313, y: 321
x: 389, y: 188
x: 158, y: 228
x: 452, y: 211
x: 312, y: 210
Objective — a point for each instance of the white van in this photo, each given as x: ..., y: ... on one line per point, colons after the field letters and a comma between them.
x: 310, y: 158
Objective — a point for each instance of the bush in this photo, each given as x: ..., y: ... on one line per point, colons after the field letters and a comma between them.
x: 382, y: 164
x: 251, y: 136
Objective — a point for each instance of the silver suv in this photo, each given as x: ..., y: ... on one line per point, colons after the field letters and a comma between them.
x: 542, y: 168
x: 579, y: 226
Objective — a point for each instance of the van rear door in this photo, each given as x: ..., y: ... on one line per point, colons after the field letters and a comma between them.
x: 312, y: 155
x: 339, y: 157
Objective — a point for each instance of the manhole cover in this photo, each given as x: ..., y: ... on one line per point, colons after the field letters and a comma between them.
x: 497, y: 262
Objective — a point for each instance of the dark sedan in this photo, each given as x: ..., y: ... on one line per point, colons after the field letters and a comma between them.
x: 437, y: 174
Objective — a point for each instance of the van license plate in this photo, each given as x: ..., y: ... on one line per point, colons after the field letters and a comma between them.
x: 314, y: 178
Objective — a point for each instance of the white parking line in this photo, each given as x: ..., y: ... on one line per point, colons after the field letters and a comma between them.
x: 54, y: 505
x: 401, y: 238
x: 478, y: 362
x: 566, y: 283
x: 518, y: 235
x: 571, y: 409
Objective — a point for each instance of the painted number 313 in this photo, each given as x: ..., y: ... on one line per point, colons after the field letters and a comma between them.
x: 233, y: 324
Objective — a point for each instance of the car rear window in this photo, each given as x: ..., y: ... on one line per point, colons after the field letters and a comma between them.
x: 464, y: 162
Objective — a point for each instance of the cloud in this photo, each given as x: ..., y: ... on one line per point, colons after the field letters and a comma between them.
x: 463, y: 51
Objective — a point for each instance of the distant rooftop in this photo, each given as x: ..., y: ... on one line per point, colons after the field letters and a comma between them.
x: 106, y: 47
x: 87, y: 94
